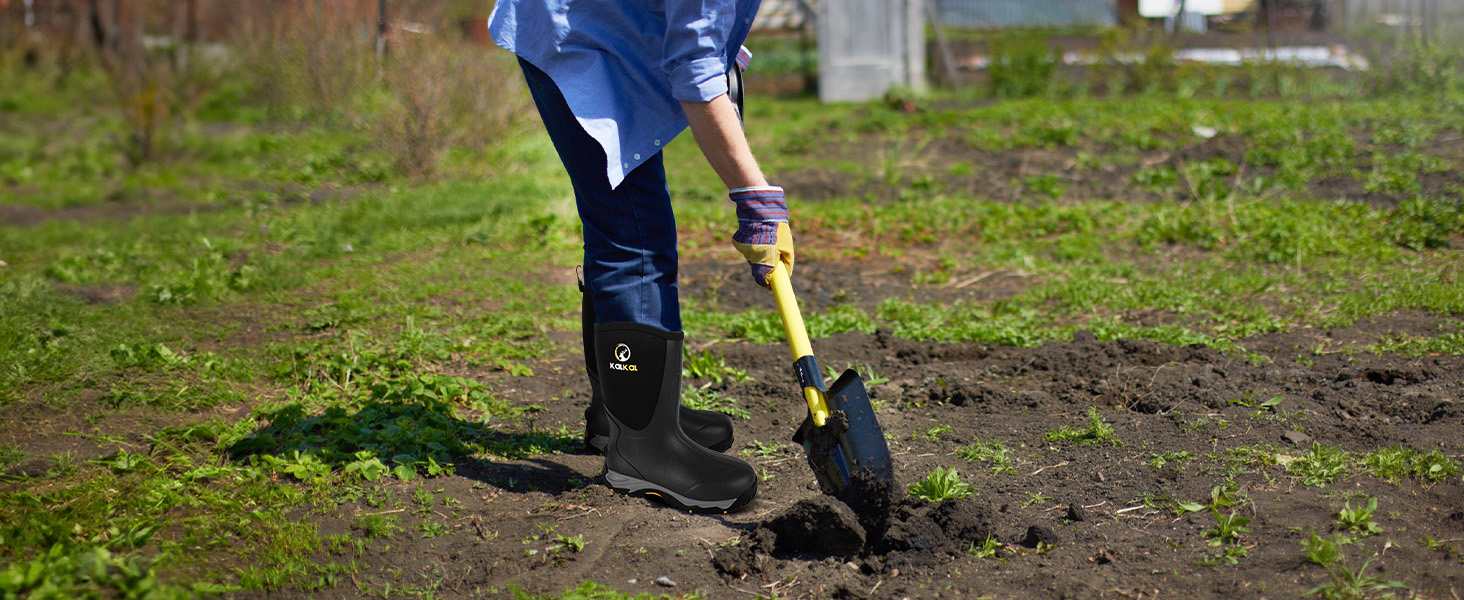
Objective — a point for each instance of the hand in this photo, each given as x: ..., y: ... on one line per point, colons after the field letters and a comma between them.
x: 763, y: 236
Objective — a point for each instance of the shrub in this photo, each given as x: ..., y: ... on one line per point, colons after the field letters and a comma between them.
x: 442, y: 94
x: 1022, y: 64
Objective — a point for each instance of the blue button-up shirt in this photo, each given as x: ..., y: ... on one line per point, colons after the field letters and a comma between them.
x: 624, y: 65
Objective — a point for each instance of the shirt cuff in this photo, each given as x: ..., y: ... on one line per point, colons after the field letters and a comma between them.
x: 700, y: 80
x: 744, y: 58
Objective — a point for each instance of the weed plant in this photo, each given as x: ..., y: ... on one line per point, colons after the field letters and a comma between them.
x: 1097, y: 432
x: 993, y: 453
x: 1359, y: 520
x: 940, y: 485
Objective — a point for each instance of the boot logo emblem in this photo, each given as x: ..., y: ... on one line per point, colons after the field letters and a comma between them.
x: 622, y: 354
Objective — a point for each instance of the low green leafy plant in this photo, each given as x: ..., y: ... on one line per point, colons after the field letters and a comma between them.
x: 1226, y: 535
x: 1359, y: 520
x: 940, y: 485
x: 147, y: 356
x: 1321, y: 465
x: 1097, y: 431
x: 988, y: 548
x: 570, y: 544
x: 1424, y: 223
x: 701, y: 398
x: 431, y: 529
x: 366, y: 466
x: 1159, y: 460
x: 710, y: 366
x: 761, y: 449
x: 1324, y: 551
x: 934, y: 434
x: 1347, y: 584
x: 992, y: 452
x: 377, y: 526
x: 865, y: 372
x: 1399, y: 462
x: 1228, y: 528
x: 1035, y: 498
x: 85, y: 571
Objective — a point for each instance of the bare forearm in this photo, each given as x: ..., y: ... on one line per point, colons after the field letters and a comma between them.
x: 719, y: 134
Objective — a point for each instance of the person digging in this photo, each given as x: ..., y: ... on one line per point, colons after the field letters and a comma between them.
x: 614, y: 82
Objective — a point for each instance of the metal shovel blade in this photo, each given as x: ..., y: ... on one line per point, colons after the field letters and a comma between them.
x: 850, y: 441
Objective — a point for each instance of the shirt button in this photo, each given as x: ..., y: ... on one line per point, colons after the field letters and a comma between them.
x: 637, y: 157
x: 658, y: 143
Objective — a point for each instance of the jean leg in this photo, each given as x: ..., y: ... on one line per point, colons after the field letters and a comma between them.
x: 629, y: 232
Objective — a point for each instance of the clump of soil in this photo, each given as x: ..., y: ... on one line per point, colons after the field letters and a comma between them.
x: 820, y: 525
x: 870, y: 519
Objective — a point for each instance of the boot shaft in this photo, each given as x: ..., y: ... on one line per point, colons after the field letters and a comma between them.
x: 640, y: 373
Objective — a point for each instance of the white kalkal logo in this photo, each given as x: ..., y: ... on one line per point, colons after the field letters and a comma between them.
x: 622, y: 352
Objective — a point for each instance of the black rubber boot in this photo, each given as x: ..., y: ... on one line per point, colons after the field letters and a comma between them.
x: 710, y: 429
x: 648, y: 453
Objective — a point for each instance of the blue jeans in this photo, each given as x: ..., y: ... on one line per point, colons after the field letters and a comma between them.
x: 630, y: 231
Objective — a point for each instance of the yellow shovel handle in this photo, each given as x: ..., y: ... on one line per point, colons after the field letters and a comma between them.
x: 798, y: 343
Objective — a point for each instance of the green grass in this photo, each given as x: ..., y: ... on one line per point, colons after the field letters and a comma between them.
x: 706, y: 399
x: 711, y: 367
x: 1399, y: 462
x: 1159, y: 460
x: 1321, y: 465
x: 993, y: 453
x: 1096, y: 432
x: 306, y: 329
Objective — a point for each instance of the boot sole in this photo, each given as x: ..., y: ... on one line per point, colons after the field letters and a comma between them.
x: 637, y: 486
x: 598, y: 444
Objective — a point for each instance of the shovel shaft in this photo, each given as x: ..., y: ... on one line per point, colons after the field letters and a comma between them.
x: 798, y: 343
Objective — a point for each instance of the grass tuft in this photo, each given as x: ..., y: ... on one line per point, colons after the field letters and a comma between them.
x: 1399, y: 462
x: 1321, y: 465
x: 1097, y: 431
x: 993, y: 453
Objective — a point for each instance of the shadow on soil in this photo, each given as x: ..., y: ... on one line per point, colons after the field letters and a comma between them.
x: 423, y: 436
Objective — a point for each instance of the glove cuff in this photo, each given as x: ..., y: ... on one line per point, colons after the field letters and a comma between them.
x: 760, y: 204
x: 757, y: 233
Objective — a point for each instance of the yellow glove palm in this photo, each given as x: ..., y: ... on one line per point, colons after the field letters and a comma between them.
x: 762, y: 256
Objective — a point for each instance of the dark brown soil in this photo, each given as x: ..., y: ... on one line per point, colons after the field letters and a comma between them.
x: 1072, y: 520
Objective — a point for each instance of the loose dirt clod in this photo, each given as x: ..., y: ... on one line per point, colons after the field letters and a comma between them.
x: 1076, y: 513
x: 965, y: 522
x: 819, y: 525
x: 873, y: 519
x: 1037, y: 535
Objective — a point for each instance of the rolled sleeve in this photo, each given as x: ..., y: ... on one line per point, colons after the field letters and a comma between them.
x: 695, y: 52
x: 700, y: 80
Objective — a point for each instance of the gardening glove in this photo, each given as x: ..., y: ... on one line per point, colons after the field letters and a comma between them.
x: 763, y: 236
